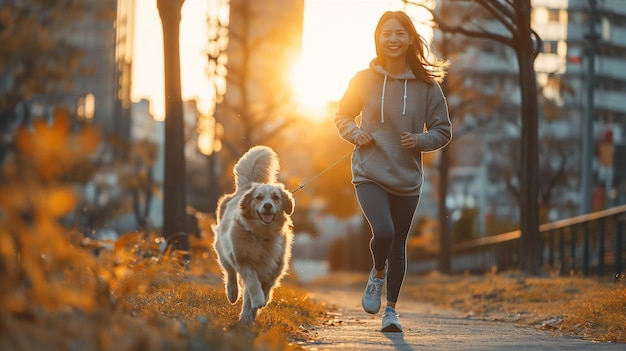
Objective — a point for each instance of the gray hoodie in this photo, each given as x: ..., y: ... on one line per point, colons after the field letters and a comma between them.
x: 389, y: 105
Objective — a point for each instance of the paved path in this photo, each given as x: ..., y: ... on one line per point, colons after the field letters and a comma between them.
x: 428, y: 328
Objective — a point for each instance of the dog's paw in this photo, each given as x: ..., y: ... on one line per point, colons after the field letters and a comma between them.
x: 258, y: 301
x: 248, y: 314
x: 247, y: 319
x: 232, y: 291
x: 243, y: 326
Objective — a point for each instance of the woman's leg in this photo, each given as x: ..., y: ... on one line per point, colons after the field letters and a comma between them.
x: 374, y: 202
x: 402, y: 212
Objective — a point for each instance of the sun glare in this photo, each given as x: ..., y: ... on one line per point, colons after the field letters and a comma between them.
x: 311, y: 91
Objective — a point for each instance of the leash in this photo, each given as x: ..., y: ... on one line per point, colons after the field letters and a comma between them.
x: 302, y: 185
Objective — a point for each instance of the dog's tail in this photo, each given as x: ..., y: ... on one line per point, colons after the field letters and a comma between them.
x: 259, y: 164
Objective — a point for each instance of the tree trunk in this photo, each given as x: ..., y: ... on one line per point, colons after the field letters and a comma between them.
x: 530, y: 242
x: 445, y: 254
x: 174, y: 185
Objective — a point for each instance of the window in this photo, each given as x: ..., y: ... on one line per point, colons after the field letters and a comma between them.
x: 550, y: 47
x: 554, y: 15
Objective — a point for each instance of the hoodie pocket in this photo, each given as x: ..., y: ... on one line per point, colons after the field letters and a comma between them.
x: 390, y: 165
x: 363, y: 153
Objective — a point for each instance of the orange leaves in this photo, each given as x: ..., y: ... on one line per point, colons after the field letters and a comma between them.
x: 42, y: 204
x: 52, y: 148
x: 44, y: 269
x: 60, y: 201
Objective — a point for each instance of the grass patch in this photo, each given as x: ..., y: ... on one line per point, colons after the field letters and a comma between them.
x: 152, y: 303
x: 593, y: 308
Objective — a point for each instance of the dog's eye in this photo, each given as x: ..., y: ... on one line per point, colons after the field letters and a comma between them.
x: 275, y: 197
x: 259, y: 197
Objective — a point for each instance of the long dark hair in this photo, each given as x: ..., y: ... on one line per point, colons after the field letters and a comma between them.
x: 416, y: 56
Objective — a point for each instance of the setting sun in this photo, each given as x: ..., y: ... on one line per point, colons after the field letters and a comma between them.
x: 307, y: 87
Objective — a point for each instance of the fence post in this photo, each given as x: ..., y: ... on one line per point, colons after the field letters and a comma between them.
x: 562, y: 249
x: 585, y: 248
x: 551, y: 248
x: 618, y: 245
x: 572, y: 249
x: 601, y: 248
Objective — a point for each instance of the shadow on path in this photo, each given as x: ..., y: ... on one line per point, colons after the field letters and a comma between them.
x: 397, y: 339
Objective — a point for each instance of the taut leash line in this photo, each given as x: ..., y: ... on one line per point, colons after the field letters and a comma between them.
x: 302, y: 185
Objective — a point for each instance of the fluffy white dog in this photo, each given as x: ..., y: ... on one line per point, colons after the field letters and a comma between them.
x: 253, y: 233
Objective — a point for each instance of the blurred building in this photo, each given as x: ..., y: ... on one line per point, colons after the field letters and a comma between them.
x: 487, y: 139
x: 124, y: 41
x: 80, y: 61
x: 101, y: 91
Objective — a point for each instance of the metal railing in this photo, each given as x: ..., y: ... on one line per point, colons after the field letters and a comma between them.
x: 587, y: 244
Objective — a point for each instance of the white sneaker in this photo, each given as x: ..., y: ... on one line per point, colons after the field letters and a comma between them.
x: 371, y: 296
x: 391, y: 323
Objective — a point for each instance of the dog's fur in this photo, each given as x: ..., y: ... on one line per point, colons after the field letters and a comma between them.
x: 253, y: 233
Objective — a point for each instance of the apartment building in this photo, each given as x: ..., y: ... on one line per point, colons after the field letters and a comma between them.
x: 484, y: 178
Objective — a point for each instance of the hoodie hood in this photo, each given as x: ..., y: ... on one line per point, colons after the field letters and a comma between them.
x: 404, y: 76
x: 381, y: 70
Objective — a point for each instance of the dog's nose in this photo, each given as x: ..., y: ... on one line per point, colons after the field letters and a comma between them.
x: 267, y: 206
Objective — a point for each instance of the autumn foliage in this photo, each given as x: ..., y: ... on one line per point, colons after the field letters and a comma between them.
x: 62, y: 289
x: 38, y: 264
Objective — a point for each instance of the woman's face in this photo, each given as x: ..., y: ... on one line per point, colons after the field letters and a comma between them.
x: 394, y: 40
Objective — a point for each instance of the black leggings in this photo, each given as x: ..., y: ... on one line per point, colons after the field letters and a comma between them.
x: 390, y: 219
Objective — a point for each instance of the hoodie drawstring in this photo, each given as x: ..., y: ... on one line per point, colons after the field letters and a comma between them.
x: 404, y: 100
x: 382, y: 100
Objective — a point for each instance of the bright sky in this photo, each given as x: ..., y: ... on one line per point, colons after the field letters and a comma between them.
x: 338, y: 40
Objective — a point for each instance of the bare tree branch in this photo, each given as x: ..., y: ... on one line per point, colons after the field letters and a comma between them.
x: 474, y: 33
x: 482, y: 33
x: 501, y: 13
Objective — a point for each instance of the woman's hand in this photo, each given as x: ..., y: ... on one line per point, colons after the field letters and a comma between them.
x: 408, y: 140
x: 364, y: 139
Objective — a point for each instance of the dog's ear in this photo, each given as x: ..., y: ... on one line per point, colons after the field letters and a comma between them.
x: 245, y: 204
x: 288, y: 202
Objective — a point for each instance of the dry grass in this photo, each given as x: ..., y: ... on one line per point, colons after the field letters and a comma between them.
x: 152, y: 303
x: 593, y: 308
